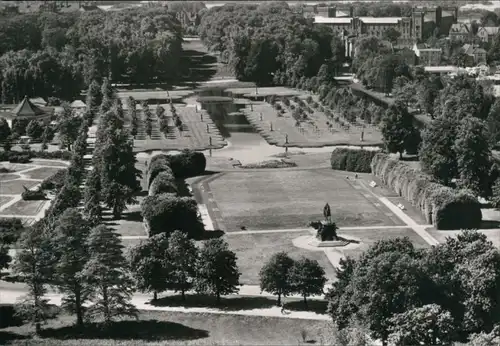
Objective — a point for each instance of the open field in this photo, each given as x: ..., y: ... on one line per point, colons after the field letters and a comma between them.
x: 16, y: 187
x: 41, y: 173
x: 162, y: 328
x: 254, y: 250
x: 293, y: 198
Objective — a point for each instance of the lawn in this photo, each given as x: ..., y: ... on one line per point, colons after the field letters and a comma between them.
x: 15, y: 187
x: 291, y: 199
x: 8, y: 176
x: 5, y: 199
x: 42, y: 172
x: 16, y: 167
x: 162, y: 328
x: 51, y: 163
x: 253, y: 251
x: 26, y: 208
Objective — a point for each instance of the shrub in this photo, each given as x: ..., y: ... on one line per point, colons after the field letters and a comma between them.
x: 443, y: 206
x: 164, y: 182
x: 32, y: 195
x: 187, y: 164
x: 16, y: 157
x: 8, y: 316
x: 55, y: 181
x: 353, y: 160
x: 10, y: 230
x: 165, y: 213
x: 158, y: 164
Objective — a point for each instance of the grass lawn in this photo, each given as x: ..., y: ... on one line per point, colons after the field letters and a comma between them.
x: 51, y: 163
x: 27, y: 208
x: 8, y: 176
x: 253, y: 251
x: 42, y: 172
x: 15, y: 187
x: 15, y: 167
x: 167, y: 328
x: 5, y: 199
x: 370, y: 236
x: 292, y: 198
x: 130, y: 224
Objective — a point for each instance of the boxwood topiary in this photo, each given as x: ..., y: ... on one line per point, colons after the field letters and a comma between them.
x: 187, y: 164
x: 353, y: 160
x: 165, y: 213
x: 159, y: 163
x: 443, y: 206
x: 164, y: 182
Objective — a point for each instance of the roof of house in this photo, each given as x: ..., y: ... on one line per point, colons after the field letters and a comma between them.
x: 335, y: 20
x: 459, y: 28
x: 490, y: 30
x: 26, y: 109
x: 38, y: 101
x: 468, y: 48
x: 440, y: 69
x: 77, y: 104
x: 380, y: 20
x: 479, y: 51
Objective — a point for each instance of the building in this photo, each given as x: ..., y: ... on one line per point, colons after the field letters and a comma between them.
x: 487, y: 33
x: 421, y: 24
x: 26, y: 111
x: 477, y: 55
x: 427, y: 56
x: 460, y: 32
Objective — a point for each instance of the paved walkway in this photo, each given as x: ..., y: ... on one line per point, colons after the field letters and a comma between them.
x: 142, y: 302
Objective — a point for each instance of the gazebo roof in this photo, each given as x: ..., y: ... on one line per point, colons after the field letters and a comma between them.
x: 78, y: 104
x: 26, y: 109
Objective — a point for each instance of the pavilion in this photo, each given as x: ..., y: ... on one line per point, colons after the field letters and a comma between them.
x: 26, y: 110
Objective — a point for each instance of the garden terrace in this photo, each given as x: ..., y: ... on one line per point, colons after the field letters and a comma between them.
x: 316, y: 131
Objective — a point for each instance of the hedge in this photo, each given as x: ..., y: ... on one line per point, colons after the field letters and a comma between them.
x: 159, y: 163
x: 442, y: 206
x: 33, y: 195
x: 164, y: 182
x: 8, y: 316
x: 25, y: 156
x: 165, y: 213
x: 55, y: 181
x: 187, y: 164
x: 353, y: 160
x: 184, y: 165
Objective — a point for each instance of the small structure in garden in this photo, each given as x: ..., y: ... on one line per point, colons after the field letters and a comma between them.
x: 27, y: 111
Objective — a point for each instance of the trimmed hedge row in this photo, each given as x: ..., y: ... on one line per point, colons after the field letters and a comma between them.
x: 353, y: 160
x: 166, y: 212
x: 183, y: 165
x: 164, y: 182
x: 55, y: 181
x: 442, y: 206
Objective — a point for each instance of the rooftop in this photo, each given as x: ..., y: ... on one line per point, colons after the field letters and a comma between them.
x: 380, y: 20
x: 441, y: 69
x: 335, y: 20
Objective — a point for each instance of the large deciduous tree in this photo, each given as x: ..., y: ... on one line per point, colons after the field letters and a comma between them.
x: 275, y: 275
x: 307, y: 278
x: 397, y: 129
x: 473, y: 155
x: 217, y: 271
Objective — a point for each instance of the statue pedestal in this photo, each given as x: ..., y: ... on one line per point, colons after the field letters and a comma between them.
x: 328, y: 243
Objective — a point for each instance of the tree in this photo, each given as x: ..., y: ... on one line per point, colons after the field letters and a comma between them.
x: 5, y: 259
x: 307, y: 278
x: 48, y: 134
x: 392, y: 35
x: 33, y: 265
x: 94, y: 98
x: 386, y: 280
x: 428, y: 92
x: 5, y: 132
x: 436, y: 154
x: 181, y: 264
x: 148, y: 262
x: 427, y: 325
x: 275, y: 275
x: 72, y: 254
x: 107, y: 272
x: 34, y: 129
x: 67, y: 126
x: 107, y: 96
x: 495, y: 199
x: 217, y: 270
x: 473, y: 155
x: 493, y: 123
x: 397, y: 129
x: 92, y: 197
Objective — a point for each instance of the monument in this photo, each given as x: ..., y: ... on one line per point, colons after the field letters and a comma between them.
x: 326, y: 230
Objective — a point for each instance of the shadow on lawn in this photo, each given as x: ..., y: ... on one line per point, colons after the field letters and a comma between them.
x: 317, y: 306
x: 8, y: 336
x: 227, y: 304
x: 490, y: 224
x: 148, y: 330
